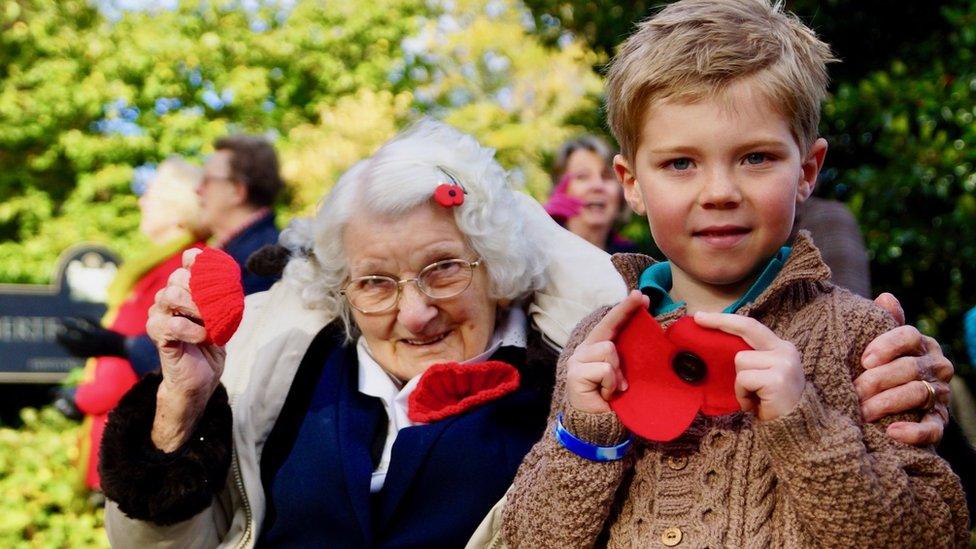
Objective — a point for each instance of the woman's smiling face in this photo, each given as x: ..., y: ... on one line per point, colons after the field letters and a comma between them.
x: 591, y: 183
x: 418, y: 331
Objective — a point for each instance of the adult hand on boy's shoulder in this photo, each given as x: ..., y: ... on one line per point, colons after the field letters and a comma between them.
x: 593, y: 371
x: 895, y: 364
x: 769, y: 379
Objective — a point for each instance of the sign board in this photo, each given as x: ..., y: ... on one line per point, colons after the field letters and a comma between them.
x: 29, y: 315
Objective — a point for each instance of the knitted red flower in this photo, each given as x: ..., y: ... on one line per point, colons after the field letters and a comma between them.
x: 446, y: 390
x: 449, y: 195
x: 674, y: 374
x: 215, y: 287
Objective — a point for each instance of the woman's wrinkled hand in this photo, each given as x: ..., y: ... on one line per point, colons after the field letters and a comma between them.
x: 593, y: 371
x: 895, y: 364
x: 191, y: 367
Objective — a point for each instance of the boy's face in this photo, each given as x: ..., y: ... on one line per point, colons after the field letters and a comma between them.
x: 719, y: 181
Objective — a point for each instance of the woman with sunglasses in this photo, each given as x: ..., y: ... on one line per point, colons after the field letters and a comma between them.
x: 382, y: 394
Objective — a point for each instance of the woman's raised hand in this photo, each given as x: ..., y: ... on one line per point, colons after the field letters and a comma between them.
x: 191, y: 367
x: 593, y: 371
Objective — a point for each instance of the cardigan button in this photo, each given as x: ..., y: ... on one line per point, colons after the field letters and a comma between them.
x: 689, y: 366
x: 671, y: 536
x: 677, y: 463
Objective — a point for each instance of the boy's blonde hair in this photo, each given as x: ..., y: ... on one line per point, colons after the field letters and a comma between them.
x: 694, y: 49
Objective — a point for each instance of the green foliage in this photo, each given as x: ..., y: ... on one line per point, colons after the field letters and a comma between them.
x: 41, y: 504
x: 84, y: 99
x: 903, y: 156
x: 601, y: 23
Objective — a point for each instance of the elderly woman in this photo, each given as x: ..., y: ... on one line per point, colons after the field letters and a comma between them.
x: 368, y: 399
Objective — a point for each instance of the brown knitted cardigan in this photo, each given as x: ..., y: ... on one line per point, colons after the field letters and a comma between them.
x: 818, y: 476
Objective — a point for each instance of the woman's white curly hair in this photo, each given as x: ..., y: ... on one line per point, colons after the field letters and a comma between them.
x: 400, y: 177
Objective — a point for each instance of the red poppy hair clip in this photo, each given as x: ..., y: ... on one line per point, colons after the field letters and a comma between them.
x: 450, y: 194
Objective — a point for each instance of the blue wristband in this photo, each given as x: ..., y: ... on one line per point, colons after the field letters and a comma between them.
x: 589, y: 451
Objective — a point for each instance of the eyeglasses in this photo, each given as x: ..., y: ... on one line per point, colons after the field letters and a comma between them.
x: 441, y: 280
x: 207, y: 179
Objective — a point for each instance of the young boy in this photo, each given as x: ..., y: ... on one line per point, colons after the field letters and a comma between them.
x: 715, y: 105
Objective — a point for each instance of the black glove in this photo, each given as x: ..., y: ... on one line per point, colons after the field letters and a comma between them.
x: 64, y: 402
x: 84, y: 337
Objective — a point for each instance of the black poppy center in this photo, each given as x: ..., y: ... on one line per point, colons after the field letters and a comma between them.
x: 689, y: 366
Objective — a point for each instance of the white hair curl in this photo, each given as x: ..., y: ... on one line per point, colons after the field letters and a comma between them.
x: 400, y: 177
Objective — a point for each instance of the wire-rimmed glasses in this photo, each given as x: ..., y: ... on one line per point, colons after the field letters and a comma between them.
x: 440, y: 280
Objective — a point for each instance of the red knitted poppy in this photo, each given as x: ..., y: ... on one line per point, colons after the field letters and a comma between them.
x: 449, y: 195
x: 215, y: 287
x: 449, y: 389
x: 673, y: 374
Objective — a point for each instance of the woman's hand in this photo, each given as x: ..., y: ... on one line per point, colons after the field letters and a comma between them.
x: 191, y: 368
x: 769, y: 379
x: 593, y: 371
x: 895, y: 364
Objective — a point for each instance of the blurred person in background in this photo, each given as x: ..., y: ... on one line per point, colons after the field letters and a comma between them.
x: 838, y: 236
x: 240, y: 183
x: 170, y: 210
x: 586, y: 199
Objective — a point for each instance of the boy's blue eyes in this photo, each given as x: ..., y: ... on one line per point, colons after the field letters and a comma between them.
x: 753, y: 159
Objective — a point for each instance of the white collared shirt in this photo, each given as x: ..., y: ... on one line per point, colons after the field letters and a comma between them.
x: 374, y: 381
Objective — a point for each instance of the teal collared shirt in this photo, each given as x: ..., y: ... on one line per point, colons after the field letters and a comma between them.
x: 656, y: 282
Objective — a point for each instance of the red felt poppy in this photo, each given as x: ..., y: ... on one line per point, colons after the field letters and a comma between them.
x: 674, y: 374
x: 449, y: 195
x: 446, y: 390
x: 215, y: 287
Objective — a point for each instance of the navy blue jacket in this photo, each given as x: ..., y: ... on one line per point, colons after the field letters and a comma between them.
x: 443, y: 477
x: 251, y: 239
x: 142, y: 352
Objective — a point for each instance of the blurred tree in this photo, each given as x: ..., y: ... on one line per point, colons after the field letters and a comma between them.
x: 85, y: 99
x: 40, y: 505
x: 902, y: 154
x: 865, y: 34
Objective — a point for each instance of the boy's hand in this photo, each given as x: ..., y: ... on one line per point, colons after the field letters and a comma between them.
x: 593, y: 371
x: 769, y: 379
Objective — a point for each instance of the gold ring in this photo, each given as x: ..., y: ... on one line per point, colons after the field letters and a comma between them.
x: 930, y: 398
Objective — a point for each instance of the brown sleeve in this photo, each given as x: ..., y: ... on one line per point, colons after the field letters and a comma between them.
x: 848, y: 482
x: 559, y: 499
